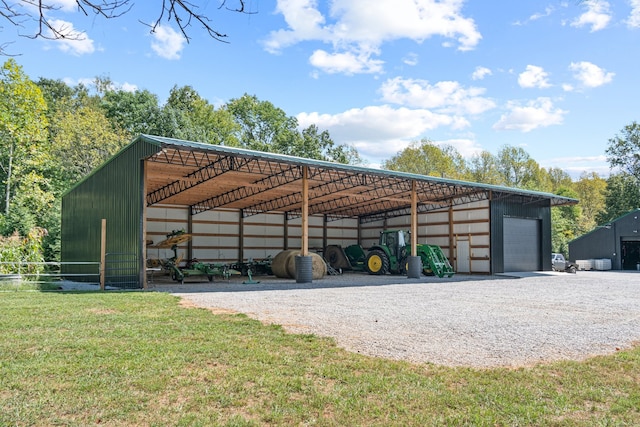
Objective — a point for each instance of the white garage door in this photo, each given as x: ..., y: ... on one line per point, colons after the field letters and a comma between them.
x: 521, y: 244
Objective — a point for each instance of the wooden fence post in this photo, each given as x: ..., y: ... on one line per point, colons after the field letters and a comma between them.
x: 103, y: 253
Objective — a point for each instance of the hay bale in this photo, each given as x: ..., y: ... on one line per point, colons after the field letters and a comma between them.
x: 279, y: 264
x: 318, y: 266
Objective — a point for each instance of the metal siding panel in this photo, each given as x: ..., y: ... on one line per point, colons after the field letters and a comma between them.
x: 521, y: 244
x: 112, y: 192
x: 513, y: 208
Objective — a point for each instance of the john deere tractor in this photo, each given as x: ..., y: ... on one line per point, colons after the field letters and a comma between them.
x: 389, y: 255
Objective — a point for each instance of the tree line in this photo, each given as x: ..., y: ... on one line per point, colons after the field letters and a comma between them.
x: 52, y: 135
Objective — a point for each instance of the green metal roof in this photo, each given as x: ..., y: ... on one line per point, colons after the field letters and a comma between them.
x: 367, y: 187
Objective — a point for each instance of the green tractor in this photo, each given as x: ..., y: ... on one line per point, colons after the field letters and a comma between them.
x: 389, y: 255
x: 392, y: 252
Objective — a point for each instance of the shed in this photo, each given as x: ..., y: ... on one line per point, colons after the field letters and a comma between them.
x: 618, y: 240
x: 241, y: 204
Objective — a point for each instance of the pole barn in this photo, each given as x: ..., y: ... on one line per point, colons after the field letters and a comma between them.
x: 240, y: 204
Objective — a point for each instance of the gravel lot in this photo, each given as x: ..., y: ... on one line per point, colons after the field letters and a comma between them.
x: 460, y: 321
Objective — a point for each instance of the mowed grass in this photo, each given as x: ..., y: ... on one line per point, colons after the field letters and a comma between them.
x: 143, y: 359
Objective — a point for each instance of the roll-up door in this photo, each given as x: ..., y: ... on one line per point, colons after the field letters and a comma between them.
x: 521, y: 244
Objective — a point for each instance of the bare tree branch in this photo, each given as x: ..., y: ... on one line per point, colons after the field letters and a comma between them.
x: 184, y: 13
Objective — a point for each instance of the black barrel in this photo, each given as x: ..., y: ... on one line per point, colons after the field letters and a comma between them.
x: 415, y: 267
x: 304, y: 269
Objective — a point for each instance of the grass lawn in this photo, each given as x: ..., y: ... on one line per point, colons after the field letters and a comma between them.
x: 142, y: 359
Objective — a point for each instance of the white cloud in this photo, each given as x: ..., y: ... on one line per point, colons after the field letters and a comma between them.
x: 547, y: 12
x: 411, y: 59
x: 597, y: 16
x: 74, y: 42
x: 466, y: 147
x: 360, y: 27
x: 379, y: 132
x: 534, y: 114
x: 590, y: 75
x: 444, y: 97
x: 576, y: 166
x: 480, y: 73
x: 634, y: 16
x: 347, y: 62
x: 128, y: 87
x: 534, y: 77
x: 90, y: 82
x: 167, y: 43
x: 539, y: 15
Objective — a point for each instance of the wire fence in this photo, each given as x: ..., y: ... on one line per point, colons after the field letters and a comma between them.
x: 47, y: 274
x: 120, y: 272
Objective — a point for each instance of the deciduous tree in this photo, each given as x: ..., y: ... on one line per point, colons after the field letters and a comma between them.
x: 590, y: 190
x: 483, y: 167
x: 23, y: 126
x: 624, y: 150
x: 426, y: 158
x: 517, y: 168
x: 621, y: 196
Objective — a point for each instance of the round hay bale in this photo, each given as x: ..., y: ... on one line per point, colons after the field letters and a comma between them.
x: 318, y: 266
x: 279, y: 264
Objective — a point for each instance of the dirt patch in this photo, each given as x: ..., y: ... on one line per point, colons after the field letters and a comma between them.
x: 185, y: 303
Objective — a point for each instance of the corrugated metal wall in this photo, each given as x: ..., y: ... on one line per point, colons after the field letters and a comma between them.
x: 112, y: 192
x: 516, y: 208
x: 217, y: 234
x: 605, y: 242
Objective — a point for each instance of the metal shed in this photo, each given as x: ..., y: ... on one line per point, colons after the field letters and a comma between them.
x: 156, y: 183
x: 618, y: 240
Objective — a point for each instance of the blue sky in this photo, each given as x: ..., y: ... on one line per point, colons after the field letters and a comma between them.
x: 558, y: 78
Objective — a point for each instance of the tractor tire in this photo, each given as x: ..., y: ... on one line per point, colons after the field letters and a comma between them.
x: 403, y: 265
x: 376, y: 263
x: 572, y: 270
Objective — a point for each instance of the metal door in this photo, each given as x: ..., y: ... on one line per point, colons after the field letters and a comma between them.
x: 463, y: 260
x: 521, y: 240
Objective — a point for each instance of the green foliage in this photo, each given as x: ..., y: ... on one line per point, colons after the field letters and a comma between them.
x: 263, y: 126
x: 83, y: 139
x: 426, y: 158
x: 565, y: 224
x: 590, y: 190
x: 16, y: 250
x: 621, y: 196
x: 517, y: 168
x: 483, y: 167
x: 52, y: 135
x: 134, y: 112
x: 624, y: 150
x: 189, y: 116
x: 23, y: 126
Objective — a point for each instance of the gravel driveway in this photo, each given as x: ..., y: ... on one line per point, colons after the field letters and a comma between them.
x: 461, y: 321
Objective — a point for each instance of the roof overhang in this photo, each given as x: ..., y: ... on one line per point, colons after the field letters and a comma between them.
x: 206, y: 177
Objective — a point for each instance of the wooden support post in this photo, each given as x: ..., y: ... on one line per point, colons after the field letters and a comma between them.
x: 241, y: 236
x: 414, y: 217
x: 190, y: 231
x: 103, y: 252
x: 451, y: 242
x: 325, y: 235
x: 305, y: 211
